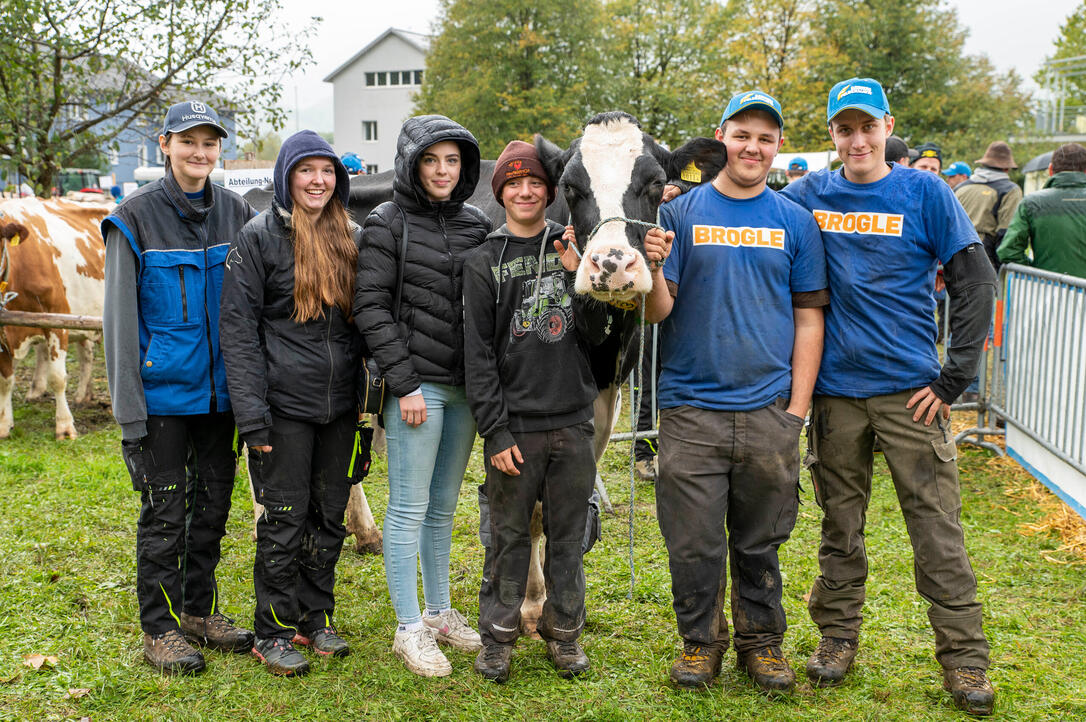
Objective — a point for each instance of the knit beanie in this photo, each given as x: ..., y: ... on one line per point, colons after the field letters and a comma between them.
x: 519, y: 159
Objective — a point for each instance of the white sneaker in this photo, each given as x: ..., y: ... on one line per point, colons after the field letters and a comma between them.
x: 451, y: 628
x: 418, y: 650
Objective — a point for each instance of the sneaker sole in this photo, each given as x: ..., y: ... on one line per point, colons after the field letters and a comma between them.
x: 280, y: 671
x: 423, y: 671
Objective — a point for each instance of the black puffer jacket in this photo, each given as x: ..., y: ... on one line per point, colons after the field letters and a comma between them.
x: 273, y: 363
x: 428, y: 342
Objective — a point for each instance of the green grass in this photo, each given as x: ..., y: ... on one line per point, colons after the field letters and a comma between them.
x: 67, y: 580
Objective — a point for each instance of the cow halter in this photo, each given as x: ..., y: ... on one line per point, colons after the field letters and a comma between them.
x: 652, y: 264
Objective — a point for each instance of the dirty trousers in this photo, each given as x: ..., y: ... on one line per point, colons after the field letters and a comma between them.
x: 559, y: 469
x: 728, y: 484
x: 923, y: 466
x: 183, y: 513
x: 302, y: 483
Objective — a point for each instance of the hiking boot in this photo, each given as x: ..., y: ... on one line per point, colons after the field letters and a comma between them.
x: 280, y: 656
x: 768, y: 668
x: 493, y: 662
x: 325, y: 642
x: 568, y: 657
x: 698, y: 665
x: 831, y: 659
x: 645, y: 469
x: 418, y: 650
x: 218, y: 632
x: 451, y: 628
x: 970, y: 688
x: 169, y: 653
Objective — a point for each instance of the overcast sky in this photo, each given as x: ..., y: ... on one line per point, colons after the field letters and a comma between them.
x: 1014, y: 34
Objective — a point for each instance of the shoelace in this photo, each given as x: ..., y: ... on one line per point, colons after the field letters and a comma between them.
x: 694, y: 653
x: 173, y: 641
x: 770, y: 658
x: 219, y: 622
x: 830, y: 650
x: 973, y: 676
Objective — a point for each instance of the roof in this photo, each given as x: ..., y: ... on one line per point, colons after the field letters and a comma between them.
x: 417, y: 40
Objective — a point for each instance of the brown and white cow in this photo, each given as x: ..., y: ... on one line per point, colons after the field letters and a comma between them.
x: 55, y: 264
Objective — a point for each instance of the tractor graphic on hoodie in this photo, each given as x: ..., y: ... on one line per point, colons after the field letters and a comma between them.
x: 544, y: 310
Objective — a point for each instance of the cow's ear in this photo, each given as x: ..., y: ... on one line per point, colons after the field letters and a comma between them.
x: 708, y: 155
x: 552, y: 157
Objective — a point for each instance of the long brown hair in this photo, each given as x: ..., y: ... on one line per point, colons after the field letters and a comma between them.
x: 324, y: 261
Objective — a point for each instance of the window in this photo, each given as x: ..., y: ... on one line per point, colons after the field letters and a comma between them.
x: 371, y: 168
x: 141, y: 155
x: 371, y: 79
x: 394, y: 77
x: 418, y: 77
x: 114, y: 156
x: 405, y: 77
x: 382, y: 78
x: 369, y: 130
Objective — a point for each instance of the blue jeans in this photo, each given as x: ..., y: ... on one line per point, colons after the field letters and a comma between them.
x: 426, y: 465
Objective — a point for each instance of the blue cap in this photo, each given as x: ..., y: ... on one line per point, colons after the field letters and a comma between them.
x: 753, y: 99
x: 958, y: 168
x: 860, y: 93
x: 189, y: 114
x: 797, y: 164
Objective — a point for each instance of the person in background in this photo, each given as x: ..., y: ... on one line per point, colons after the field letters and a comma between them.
x: 930, y: 158
x: 165, y: 248
x: 990, y: 197
x: 419, y: 348
x: 797, y: 168
x: 896, y: 151
x: 957, y: 173
x: 1051, y: 223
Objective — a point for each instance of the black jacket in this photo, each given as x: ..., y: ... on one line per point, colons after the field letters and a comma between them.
x: 305, y: 371
x: 428, y: 342
x: 527, y: 338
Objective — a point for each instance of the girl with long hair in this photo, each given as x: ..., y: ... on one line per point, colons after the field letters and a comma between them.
x: 292, y: 357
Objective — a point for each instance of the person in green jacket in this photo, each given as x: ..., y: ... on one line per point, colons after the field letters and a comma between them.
x: 1051, y: 223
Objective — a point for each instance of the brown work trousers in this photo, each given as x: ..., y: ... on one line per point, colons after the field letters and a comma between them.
x: 923, y: 466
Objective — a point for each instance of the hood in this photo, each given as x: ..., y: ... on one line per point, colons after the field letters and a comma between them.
x: 984, y: 174
x: 304, y: 144
x: 418, y: 134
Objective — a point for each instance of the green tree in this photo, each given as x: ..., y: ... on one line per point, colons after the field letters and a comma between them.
x: 506, y: 68
x: 1070, y: 43
x: 915, y: 48
x: 75, y: 74
x: 666, y: 65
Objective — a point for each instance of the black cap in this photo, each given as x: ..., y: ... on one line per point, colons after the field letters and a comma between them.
x: 189, y: 114
x: 896, y: 149
x: 930, y: 150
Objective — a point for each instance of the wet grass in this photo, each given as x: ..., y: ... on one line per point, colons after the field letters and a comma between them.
x: 67, y: 579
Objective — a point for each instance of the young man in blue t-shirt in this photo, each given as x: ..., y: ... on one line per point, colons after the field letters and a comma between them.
x: 740, y: 304
x: 885, y: 229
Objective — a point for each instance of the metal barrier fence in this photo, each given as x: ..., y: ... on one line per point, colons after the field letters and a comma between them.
x: 1033, y: 377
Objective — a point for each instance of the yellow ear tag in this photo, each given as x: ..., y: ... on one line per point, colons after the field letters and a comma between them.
x: 691, y: 173
x: 14, y: 241
x: 3, y: 286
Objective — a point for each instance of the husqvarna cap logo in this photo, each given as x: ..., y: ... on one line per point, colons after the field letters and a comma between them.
x: 753, y: 99
x: 865, y: 94
x: 189, y: 114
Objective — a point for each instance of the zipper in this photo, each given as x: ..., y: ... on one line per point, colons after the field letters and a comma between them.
x: 328, y: 347
x: 184, y: 295
x: 207, y: 332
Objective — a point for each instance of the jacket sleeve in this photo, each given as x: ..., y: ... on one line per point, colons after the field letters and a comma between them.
x: 482, y: 379
x: 375, y: 290
x: 589, y: 315
x: 1017, y: 239
x: 970, y: 282
x: 120, y: 332
x: 240, y: 315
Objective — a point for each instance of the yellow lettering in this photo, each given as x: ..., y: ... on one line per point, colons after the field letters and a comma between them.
x: 820, y: 218
x: 749, y: 235
x: 893, y: 225
x: 701, y: 234
x: 776, y: 237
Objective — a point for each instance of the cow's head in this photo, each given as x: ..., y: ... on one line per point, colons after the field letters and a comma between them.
x: 614, y: 170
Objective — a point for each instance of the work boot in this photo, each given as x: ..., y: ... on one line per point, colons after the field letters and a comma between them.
x: 645, y: 469
x: 452, y: 629
x: 418, y: 650
x: 493, y: 662
x: 171, y: 654
x: 218, y: 632
x: 280, y: 656
x: 698, y: 665
x: 970, y: 688
x: 831, y: 660
x: 568, y: 657
x: 325, y: 642
x: 768, y: 668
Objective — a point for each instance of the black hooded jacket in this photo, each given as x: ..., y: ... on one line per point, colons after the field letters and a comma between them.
x: 427, y: 344
x: 304, y: 371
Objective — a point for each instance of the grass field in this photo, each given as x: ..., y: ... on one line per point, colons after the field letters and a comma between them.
x: 67, y: 580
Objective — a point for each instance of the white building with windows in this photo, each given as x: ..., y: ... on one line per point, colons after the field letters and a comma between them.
x: 373, y: 93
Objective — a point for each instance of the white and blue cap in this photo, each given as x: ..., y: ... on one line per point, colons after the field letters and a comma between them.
x: 753, y: 99
x: 958, y: 168
x: 189, y: 114
x: 863, y: 94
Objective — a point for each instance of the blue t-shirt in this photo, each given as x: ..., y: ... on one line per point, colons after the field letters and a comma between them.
x: 883, y: 243
x: 727, y: 344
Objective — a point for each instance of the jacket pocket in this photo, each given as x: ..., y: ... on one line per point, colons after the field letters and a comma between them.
x: 170, y: 287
